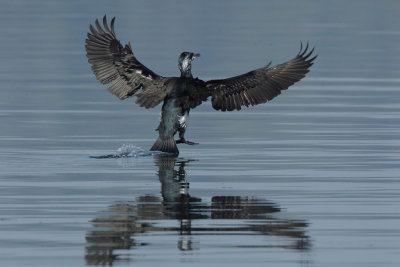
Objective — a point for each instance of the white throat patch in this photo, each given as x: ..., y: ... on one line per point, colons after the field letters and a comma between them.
x: 186, y: 64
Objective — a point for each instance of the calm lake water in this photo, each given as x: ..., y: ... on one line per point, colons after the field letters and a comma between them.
x: 310, y: 179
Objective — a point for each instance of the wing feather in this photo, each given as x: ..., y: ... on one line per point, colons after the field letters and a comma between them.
x: 112, y: 63
x: 260, y: 85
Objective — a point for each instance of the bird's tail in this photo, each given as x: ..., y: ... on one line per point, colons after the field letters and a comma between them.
x: 165, y: 144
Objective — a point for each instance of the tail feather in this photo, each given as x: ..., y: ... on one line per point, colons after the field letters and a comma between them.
x: 165, y: 144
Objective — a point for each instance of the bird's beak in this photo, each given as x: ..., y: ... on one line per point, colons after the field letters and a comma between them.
x: 195, y: 56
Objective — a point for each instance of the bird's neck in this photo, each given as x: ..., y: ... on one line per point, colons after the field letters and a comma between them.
x: 186, y: 69
x: 186, y: 74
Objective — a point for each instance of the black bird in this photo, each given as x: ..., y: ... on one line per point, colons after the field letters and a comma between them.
x: 115, y: 64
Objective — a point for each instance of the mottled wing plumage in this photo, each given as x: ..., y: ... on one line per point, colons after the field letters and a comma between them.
x: 260, y: 85
x: 115, y: 64
x: 155, y: 93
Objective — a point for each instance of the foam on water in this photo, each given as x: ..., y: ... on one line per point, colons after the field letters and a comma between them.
x: 130, y: 151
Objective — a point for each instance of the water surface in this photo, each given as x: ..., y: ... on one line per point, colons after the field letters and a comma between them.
x: 310, y: 179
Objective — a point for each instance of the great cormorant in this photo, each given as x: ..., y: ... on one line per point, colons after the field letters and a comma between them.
x: 115, y: 64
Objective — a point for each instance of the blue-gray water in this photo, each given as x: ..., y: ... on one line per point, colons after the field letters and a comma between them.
x: 310, y: 179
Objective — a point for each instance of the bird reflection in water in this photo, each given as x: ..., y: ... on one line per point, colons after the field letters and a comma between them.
x: 126, y: 221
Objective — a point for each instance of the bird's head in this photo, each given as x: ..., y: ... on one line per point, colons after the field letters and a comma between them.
x: 185, y: 63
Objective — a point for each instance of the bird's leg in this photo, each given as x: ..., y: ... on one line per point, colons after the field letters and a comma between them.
x: 182, y: 140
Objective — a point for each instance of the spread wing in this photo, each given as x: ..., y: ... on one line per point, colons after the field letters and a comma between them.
x: 112, y: 63
x: 260, y: 85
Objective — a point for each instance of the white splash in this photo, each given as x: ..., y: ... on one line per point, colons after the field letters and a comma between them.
x: 129, y: 151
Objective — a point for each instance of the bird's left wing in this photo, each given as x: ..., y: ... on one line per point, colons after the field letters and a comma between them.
x: 115, y: 64
x: 260, y: 85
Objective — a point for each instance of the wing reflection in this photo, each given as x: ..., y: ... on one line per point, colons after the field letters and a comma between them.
x: 127, y: 221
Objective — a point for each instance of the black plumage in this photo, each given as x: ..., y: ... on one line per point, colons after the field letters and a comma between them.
x: 117, y: 66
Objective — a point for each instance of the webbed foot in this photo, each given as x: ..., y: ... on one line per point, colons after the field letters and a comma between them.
x: 184, y: 141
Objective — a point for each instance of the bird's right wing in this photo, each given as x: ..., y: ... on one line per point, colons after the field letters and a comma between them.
x: 115, y: 64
